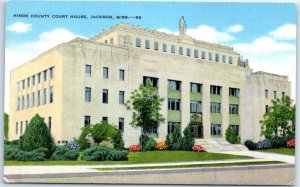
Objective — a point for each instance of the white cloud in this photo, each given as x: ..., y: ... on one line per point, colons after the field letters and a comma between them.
x: 19, y: 27
x: 285, y: 32
x: 235, y: 28
x: 205, y: 33
x: 15, y: 55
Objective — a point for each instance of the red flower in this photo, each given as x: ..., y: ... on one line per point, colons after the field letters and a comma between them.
x: 198, y: 148
x: 134, y: 148
x: 291, y: 143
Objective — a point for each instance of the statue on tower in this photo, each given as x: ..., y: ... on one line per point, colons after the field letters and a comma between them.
x: 182, y: 26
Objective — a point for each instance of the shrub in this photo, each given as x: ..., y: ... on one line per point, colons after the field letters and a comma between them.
x: 291, y: 143
x: 134, y: 148
x: 37, y: 135
x: 64, y: 153
x: 265, y: 144
x: 14, y: 153
x: 278, y: 142
x: 161, y: 145
x: 174, y: 140
x: 82, y: 140
x: 72, y: 145
x: 13, y: 142
x: 198, y: 148
x: 250, y: 145
x: 97, y: 153
x: 107, y: 144
x: 231, y: 136
x: 147, y: 143
x: 188, y: 140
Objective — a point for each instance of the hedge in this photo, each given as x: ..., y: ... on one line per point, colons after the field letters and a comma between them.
x: 63, y: 153
x: 97, y: 153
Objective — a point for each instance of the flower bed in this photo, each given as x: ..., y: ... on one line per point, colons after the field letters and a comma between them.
x: 161, y: 145
x: 291, y: 143
x: 198, y: 148
x: 134, y: 148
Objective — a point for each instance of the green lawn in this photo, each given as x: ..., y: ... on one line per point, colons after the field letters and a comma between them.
x: 193, y: 165
x: 287, y: 151
x: 141, y: 157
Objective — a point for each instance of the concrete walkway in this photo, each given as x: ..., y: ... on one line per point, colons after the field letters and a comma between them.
x: 59, y: 169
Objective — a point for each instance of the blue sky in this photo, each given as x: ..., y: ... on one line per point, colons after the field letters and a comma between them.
x: 265, y: 33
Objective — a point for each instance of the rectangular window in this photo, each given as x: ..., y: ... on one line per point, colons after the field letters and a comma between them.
x: 45, y: 96
x: 27, y: 101
x: 104, y: 118
x: 233, y: 109
x: 171, y: 126
x: 51, y: 73
x: 88, y: 70
x: 39, y: 78
x: 105, y: 96
x: 210, y: 56
x: 137, y: 42
x: 174, y: 85
x: 195, y: 88
x: 45, y: 75
x: 267, y: 108
x: 282, y: 95
x: 215, y: 130
x: 196, y: 55
x: 87, y: 120
x: 274, y: 94
x: 180, y: 50
x: 152, y: 80
x: 121, y: 124
x: 266, y: 93
x: 121, y: 97
x: 23, y: 84
x: 17, y: 126
x: 18, y: 103
x: 49, y: 123
x: 156, y: 46
x: 215, y: 107
x: 236, y: 129
x: 223, y: 58
x: 18, y: 86
x: 23, y: 102
x: 151, y: 130
x: 203, y: 55
x: 188, y: 52
x: 33, y: 80
x: 198, y: 130
x: 174, y: 104
x: 147, y: 44
x: 38, y: 97
x: 51, y: 94
x: 28, y: 82
x: 173, y: 49
x: 230, y: 60
x: 217, y: 57
x: 88, y: 94
x: 105, y: 72
x: 21, y: 127
x: 121, y: 75
x: 33, y: 99
x: 195, y: 107
x: 26, y: 124
x: 164, y: 47
x: 234, y: 92
x: 215, y: 90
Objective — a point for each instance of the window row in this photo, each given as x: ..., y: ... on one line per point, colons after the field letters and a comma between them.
x: 87, y: 122
x: 105, y: 72
x: 274, y: 94
x: 20, y: 129
x: 31, y: 81
x: 188, y: 51
x: 35, y: 99
x: 88, y: 95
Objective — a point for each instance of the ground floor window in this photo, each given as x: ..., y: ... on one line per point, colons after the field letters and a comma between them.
x: 236, y: 128
x: 215, y: 130
x: 198, y: 130
x: 152, y: 130
x: 171, y: 126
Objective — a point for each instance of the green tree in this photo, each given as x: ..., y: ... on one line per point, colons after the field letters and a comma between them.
x: 6, y: 125
x: 82, y: 140
x: 37, y: 135
x: 145, y: 106
x: 231, y: 137
x: 189, y: 139
x: 174, y: 139
x: 276, y: 120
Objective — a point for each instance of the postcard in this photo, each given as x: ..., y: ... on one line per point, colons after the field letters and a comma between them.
x: 150, y: 93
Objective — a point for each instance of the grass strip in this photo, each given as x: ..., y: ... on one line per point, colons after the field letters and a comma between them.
x: 285, y: 151
x: 193, y: 165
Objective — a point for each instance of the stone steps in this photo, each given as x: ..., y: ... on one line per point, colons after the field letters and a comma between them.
x: 220, y: 145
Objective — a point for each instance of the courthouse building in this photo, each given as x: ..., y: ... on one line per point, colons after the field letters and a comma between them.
x: 85, y: 81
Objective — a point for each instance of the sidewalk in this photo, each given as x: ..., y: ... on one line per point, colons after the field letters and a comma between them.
x: 40, y: 170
